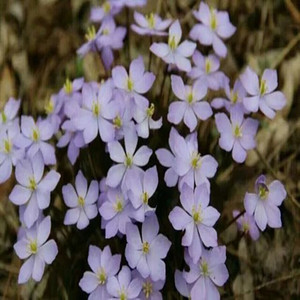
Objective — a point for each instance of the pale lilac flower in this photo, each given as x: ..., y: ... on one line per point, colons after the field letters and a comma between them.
x: 9, y: 153
x: 73, y: 139
x: 150, y: 289
x: 32, y: 189
x: 33, y: 247
x: 97, y: 113
x: 109, y: 38
x: 197, y: 219
x: 215, y: 26
x: 174, y: 53
x: 126, y: 161
x: 129, y: 3
x: 264, y: 203
x: 234, y: 96
x: 207, y: 273
x: 185, y: 162
x: 107, y: 10
x: 237, y: 134
x: 9, y: 113
x: 151, y: 24
x: 261, y: 91
x: 104, y: 265
x: 134, y: 84
x: 146, y: 252
x: 190, y: 108
x: 141, y: 187
x: 206, y: 70
x: 144, y: 120
x: 70, y: 93
x: 34, y: 138
x: 181, y: 285
x: 116, y: 211
x: 246, y: 224
x: 53, y: 110
x: 90, y: 45
x: 82, y: 201
x: 123, y: 287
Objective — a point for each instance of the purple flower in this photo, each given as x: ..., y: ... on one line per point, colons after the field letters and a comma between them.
x: 91, y: 42
x: 107, y: 10
x: 53, y: 110
x: 150, y: 289
x: 9, y: 153
x: 237, y: 134
x: 116, y: 211
x: 109, y: 37
x: 181, y: 285
x: 214, y: 27
x: 146, y: 252
x: 82, y: 201
x: 124, y: 287
x: 262, y: 95
x: 126, y: 161
x: 246, y: 224
x: 104, y: 265
x: 144, y: 120
x: 34, y: 139
x: 207, y: 273
x: 129, y: 3
x: 185, y: 162
x: 9, y: 113
x: 150, y: 24
x: 197, y: 219
x: 263, y: 204
x: 206, y: 71
x: 97, y: 113
x: 33, y: 247
x: 234, y: 96
x: 141, y: 187
x: 71, y: 92
x: 190, y: 109
x: 32, y: 189
x: 174, y: 53
x: 134, y: 84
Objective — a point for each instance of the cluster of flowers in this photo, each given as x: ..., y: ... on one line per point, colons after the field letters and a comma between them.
x: 118, y: 111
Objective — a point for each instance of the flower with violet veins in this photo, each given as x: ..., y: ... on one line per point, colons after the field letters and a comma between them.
x: 215, y: 26
x: 141, y: 187
x: 82, y: 201
x: 126, y: 161
x: 190, y: 109
x: 33, y: 138
x: 263, y: 204
x: 116, y: 211
x: 104, y: 265
x: 97, y: 113
x: 197, y: 219
x: 261, y: 91
x: 33, y: 247
x: 237, y: 134
x: 134, y: 84
x: 234, y: 96
x: 32, y: 189
x: 107, y: 10
x: 9, y: 113
x: 151, y: 24
x: 174, y: 53
x: 146, y: 252
x: 185, y: 162
x: 9, y: 153
x: 206, y: 70
x: 207, y: 273
x: 143, y: 117
x: 123, y: 287
x: 246, y: 224
x: 150, y: 289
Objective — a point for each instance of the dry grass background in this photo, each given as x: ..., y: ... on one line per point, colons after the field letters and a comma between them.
x: 38, y: 42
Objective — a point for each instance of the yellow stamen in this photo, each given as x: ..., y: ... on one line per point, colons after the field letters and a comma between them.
x: 106, y: 7
x: 150, y: 110
x: 118, y: 206
x: 237, y: 132
x: 172, y: 42
x: 90, y: 33
x: 213, y: 19
x: 3, y: 116
x: 101, y: 275
x: 234, y: 97
x: 146, y: 247
x: 147, y: 289
x: 117, y: 122
x: 32, y: 184
x: 204, y: 268
x: 35, y: 134
x: 96, y: 108
x: 49, y: 108
x: 7, y: 146
x: 196, y: 160
x: 33, y: 247
x: 130, y: 84
x: 263, y: 192
x: 263, y: 87
x: 80, y: 201
x: 145, y: 198
x: 207, y: 66
x: 68, y: 86
x: 196, y: 213
x: 128, y: 161
x: 151, y: 20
